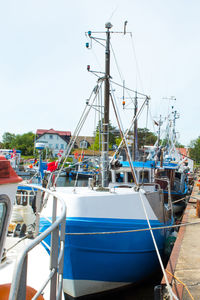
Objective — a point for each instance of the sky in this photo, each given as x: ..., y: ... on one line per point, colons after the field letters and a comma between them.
x: 44, y: 81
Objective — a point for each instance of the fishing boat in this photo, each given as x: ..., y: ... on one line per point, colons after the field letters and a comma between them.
x: 14, y: 156
x: 81, y: 173
x: 109, y: 240
x: 171, y: 171
x: 169, y: 177
x: 20, y: 280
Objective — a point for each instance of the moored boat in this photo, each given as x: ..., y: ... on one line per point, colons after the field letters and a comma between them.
x: 19, y: 281
x: 109, y: 240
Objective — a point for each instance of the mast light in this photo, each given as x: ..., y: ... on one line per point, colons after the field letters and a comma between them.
x: 108, y: 25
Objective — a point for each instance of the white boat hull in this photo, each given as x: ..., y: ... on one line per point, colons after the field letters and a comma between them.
x: 97, y: 258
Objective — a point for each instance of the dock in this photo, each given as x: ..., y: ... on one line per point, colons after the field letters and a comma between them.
x: 183, y: 268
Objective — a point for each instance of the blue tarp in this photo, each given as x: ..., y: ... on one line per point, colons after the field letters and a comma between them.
x: 150, y: 164
x: 139, y: 164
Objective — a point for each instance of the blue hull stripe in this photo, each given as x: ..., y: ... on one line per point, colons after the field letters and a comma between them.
x: 123, y: 257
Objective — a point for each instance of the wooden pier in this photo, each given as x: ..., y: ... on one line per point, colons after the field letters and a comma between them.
x: 183, y: 268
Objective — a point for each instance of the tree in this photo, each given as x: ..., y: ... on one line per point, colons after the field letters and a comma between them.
x: 113, y: 135
x: 23, y: 142
x: 195, y: 150
x: 145, y: 137
x: 8, y: 140
x: 179, y: 145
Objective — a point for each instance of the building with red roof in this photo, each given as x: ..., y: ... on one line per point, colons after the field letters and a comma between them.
x: 55, y: 140
x: 183, y: 151
x: 185, y: 155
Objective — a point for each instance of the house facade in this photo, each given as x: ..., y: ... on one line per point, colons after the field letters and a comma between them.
x: 84, y: 142
x: 53, y: 139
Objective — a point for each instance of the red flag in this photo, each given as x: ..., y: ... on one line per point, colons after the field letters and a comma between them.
x: 14, y: 153
x: 76, y: 155
x: 52, y: 166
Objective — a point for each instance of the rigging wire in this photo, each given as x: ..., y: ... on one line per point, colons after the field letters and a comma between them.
x: 145, y: 139
x: 79, y: 127
x: 130, y: 128
x: 117, y: 65
x: 136, y: 62
x: 122, y: 78
x: 113, y: 12
x: 171, y: 293
x: 123, y: 137
x: 128, y: 89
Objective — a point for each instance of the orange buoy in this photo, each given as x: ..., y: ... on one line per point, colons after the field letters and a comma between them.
x: 5, y: 290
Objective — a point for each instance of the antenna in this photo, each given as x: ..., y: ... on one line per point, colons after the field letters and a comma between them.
x: 171, y: 98
x: 125, y: 24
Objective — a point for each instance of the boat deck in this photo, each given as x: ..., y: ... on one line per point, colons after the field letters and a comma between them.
x: 184, y: 262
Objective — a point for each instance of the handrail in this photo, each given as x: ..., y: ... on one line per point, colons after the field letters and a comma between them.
x: 18, y: 286
x: 133, y: 185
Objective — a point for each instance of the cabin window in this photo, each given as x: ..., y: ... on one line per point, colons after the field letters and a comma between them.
x: 119, y: 177
x: 144, y: 177
x: 56, y: 146
x: 61, y: 146
x: 51, y: 136
x: 130, y: 177
x: 2, y: 216
x: 178, y: 175
x: 22, y: 198
x: 32, y: 201
x: 162, y: 174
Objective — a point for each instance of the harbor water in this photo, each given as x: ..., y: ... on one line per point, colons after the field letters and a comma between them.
x: 143, y: 291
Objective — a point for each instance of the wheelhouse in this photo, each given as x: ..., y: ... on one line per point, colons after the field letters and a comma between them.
x: 123, y: 175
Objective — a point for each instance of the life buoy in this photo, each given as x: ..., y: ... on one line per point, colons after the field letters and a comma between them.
x: 5, y: 290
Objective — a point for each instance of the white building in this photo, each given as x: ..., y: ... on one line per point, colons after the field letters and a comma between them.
x: 53, y: 139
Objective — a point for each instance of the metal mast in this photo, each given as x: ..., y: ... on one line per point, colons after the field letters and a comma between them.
x: 105, y: 136
x: 159, y: 127
x: 135, y: 142
x: 176, y: 116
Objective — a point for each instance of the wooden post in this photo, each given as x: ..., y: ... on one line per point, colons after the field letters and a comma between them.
x: 198, y: 209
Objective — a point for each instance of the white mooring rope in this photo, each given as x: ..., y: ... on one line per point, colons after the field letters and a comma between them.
x: 141, y: 193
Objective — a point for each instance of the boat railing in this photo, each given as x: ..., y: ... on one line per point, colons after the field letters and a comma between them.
x: 55, y: 276
x: 132, y: 185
